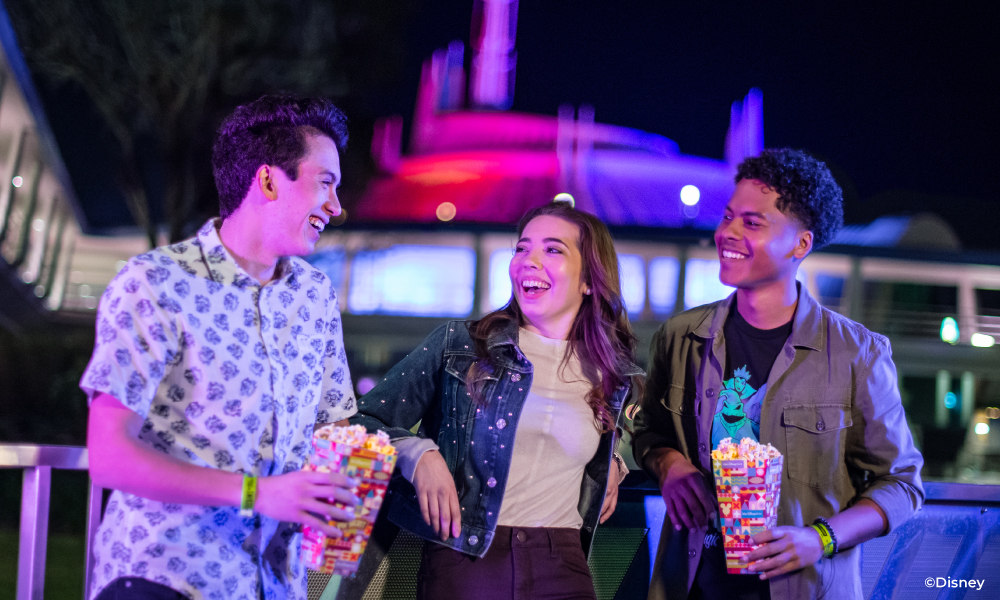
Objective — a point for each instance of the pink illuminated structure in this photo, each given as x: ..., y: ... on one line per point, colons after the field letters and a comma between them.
x: 492, y: 164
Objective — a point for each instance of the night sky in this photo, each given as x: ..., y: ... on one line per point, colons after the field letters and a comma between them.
x: 896, y: 98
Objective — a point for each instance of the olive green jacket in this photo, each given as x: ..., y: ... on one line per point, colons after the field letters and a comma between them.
x: 832, y: 408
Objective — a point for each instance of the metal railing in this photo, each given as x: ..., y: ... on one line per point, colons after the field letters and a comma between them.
x: 37, y: 463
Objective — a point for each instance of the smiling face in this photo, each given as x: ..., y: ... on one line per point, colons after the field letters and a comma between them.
x: 303, y: 207
x: 757, y: 243
x: 546, y: 274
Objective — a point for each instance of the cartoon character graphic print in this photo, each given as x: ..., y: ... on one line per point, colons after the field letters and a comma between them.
x: 737, y: 414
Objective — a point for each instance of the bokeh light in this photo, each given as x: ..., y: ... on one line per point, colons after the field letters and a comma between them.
x: 690, y: 195
x: 445, y: 211
x: 949, y: 330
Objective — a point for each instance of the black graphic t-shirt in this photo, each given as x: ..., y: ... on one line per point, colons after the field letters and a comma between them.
x: 750, y: 354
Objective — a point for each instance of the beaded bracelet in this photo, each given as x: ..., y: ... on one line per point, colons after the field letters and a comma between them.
x: 249, y: 496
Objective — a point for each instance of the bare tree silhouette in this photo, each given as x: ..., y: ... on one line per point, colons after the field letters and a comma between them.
x: 165, y: 72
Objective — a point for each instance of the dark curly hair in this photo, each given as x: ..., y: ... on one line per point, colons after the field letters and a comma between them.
x: 271, y: 130
x: 806, y: 189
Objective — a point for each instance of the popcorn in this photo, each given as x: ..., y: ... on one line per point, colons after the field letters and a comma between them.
x: 369, y: 458
x: 748, y: 449
x: 748, y: 485
x: 356, y: 436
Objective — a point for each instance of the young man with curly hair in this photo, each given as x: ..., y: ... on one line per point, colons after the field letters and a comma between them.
x: 770, y: 363
x: 215, y: 359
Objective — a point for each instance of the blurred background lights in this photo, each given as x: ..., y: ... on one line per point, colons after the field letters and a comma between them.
x: 993, y: 412
x: 981, y: 340
x: 982, y: 428
x: 564, y: 197
x: 365, y: 385
x: 632, y: 275
x: 445, y: 211
x: 338, y: 219
x: 950, y: 400
x: 500, y: 287
x: 17, y: 181
x: 690, y: 195
x: 949, y: 330
x: 412, y: 280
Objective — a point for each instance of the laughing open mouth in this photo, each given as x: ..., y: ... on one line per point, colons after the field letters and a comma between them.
x: 733, y: 255
x: 533, y: 287
x: 317, y: 223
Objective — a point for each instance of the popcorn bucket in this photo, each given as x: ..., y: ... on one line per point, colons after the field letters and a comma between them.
x: 371, y: 466
x: 748, y: 486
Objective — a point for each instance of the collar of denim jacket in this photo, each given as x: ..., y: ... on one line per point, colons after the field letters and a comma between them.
x: 503, y: 336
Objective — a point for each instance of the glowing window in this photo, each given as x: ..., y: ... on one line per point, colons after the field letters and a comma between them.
x: 632, y: 272
x: 663, y: 271
x: 701, y: 283
x: 420, y: 281
x: 331, y: 261
x: 500, y: 289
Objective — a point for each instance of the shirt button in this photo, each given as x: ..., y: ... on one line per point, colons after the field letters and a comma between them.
x: 515, y: 377
x: 501, y: 424
x: 702, y: 447
x: 710, y: 392
x: 820, y: 425
x: 491, y: 482
x: 691, y: 553
x: 473, y: 540
x: 521, y: 536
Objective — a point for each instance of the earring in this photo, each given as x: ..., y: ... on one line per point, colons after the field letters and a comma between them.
x: 587, y: 292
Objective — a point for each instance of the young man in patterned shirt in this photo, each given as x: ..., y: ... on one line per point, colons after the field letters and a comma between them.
x: 214, y: 360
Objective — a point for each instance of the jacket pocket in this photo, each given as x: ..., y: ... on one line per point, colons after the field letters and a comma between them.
x: 681, y: 401
x: 814, y: 442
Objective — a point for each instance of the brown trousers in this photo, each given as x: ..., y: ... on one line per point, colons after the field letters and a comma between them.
x: 523, y: 563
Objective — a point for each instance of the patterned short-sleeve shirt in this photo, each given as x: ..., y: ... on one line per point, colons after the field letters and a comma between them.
x: 227, y: 374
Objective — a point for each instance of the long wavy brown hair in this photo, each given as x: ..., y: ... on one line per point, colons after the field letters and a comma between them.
x: 601, y: 336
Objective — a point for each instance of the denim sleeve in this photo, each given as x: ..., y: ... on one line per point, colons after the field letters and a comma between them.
x: 410, y: 450
x: 652, y: 425
x: 409, y: 391
x: 883, y: 446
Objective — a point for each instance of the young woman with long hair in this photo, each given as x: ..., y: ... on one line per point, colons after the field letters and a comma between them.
x: 512, y: 467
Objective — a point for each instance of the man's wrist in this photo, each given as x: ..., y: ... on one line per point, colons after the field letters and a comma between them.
x: 658, y: 462
x: 619, y: 461
x: 827, y: 537
x: 248, y: 496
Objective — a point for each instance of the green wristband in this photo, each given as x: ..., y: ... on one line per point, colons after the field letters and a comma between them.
x: 249, y: 497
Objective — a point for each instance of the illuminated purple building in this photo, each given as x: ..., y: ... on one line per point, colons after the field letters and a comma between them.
x: 471, y: 160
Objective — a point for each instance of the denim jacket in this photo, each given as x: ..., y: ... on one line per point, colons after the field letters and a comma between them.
x: 428, y: 386
x: 832, y: 409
